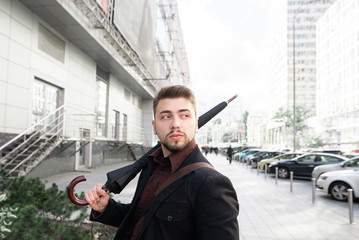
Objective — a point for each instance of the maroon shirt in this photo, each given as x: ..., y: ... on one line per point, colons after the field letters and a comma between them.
x: 163, y: 169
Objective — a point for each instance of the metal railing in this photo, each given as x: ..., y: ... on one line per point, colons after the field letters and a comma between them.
x: 80, y: 124
x: 43, y: 135
x: 129, y: 133
x: 31, y: 146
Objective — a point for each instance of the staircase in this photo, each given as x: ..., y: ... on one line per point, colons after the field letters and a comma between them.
x: 24, y: 152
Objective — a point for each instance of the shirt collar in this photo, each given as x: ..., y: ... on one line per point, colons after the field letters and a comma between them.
x: 176, y: 159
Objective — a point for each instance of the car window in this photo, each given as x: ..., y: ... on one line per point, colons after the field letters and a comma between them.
x: 289, y: 156
x: 307, y: 158
x: 352, y: 163
x: 332, y: 159
x: 322, y: 159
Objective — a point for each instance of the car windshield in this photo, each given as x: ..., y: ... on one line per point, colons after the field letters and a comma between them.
x: 352, y: 163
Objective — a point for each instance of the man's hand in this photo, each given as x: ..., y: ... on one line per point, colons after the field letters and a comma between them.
x: 97, y: 198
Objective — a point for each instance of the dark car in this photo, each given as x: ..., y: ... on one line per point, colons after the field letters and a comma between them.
x: 257, y: 157
x: 245, y: 158
x: 246, y: 153
x: 303, y: 165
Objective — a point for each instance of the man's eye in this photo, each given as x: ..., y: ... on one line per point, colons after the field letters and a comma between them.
x: 166, y: 117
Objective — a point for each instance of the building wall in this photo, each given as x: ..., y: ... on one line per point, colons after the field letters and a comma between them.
x: 338, y: 75
x: 79, y: 52
x: 22, y: 61
x: 278, y: 58
x: 123, y: 100
x: 302, y: 16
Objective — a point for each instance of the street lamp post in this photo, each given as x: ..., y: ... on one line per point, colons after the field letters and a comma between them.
x: 294, y: 130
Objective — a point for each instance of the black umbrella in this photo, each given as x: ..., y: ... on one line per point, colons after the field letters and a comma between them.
x: 118, y: 179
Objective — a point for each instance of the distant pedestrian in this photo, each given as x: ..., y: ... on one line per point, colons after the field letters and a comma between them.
x: 229, y: 154
x: 216, y: 150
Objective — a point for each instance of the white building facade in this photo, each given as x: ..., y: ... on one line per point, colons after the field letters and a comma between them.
x: 292, y: 63
x: 74, y: 58
x: 338, y: 75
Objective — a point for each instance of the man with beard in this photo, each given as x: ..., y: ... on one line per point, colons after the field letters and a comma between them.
x: 171, y: 202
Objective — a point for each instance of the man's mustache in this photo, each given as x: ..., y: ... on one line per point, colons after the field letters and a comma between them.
x: 175, y: 131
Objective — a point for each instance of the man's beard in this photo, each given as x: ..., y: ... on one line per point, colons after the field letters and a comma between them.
x: 176, y: 148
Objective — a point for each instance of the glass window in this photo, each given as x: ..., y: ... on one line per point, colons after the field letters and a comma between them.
x: 307, y: 158
x: 332, y: 159
x: 352, y: 163
x: 45, y: 100
x: 101, y: 107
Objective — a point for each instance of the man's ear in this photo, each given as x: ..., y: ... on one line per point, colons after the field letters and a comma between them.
x: 153, y: 127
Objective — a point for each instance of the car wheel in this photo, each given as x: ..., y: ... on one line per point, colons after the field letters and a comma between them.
x: 339, y: 191
x: 283, y: 172
x: 254, y: 164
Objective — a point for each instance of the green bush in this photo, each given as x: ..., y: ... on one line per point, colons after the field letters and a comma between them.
x: 29, y: 211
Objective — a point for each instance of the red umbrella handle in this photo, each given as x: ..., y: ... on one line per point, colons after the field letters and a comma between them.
x: 71, y: 194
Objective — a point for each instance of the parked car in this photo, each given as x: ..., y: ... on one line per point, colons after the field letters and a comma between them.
x: 240, y: 156
x: 286, y: 156
x: 245, y: 158
x: 303, y: 166
x: 337, y: 183
x: 352, y: 163
x: 255, y: 158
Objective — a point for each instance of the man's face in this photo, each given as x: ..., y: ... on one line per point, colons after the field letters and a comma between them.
x: 175, y: 124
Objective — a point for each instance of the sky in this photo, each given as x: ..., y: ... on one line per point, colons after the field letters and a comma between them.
x: 226, y: 47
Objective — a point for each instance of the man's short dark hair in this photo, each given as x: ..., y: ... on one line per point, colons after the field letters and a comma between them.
x: 175, y: 91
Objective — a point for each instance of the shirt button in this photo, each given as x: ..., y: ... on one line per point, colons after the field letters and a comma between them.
x: 169, y: 218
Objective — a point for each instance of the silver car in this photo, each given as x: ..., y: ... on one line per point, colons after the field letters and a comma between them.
x: 337, y: 183
x: 346, y: 165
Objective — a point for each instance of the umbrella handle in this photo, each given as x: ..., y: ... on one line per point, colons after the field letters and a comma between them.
x: 71, y: 194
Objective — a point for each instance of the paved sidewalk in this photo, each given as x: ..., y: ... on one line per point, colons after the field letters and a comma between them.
x: 270, y: 211
x: 267, y: 210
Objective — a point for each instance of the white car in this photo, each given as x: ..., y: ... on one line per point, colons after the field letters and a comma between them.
x: 337, y: 183
x: 346, y: 165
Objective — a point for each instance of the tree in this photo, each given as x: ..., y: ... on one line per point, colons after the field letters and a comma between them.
x: 218, y: 121
x: 245, y: 121
x: 286, y: 116
x: 225, y: 137
x: 315, y: 142
x: 209, y: 134
x: 39, y: 213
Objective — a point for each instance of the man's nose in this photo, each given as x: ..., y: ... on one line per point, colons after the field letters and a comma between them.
x: 175, y: 123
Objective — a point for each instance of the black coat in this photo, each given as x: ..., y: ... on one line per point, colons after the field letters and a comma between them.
x: 201, y: 206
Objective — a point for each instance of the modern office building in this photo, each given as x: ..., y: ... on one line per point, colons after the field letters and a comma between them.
x: 338, y: 75
x: 292, y: 62
x: 78, y: 77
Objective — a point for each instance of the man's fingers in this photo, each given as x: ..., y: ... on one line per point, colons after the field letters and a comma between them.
x: 99, y: 190
x: 89, y: 197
